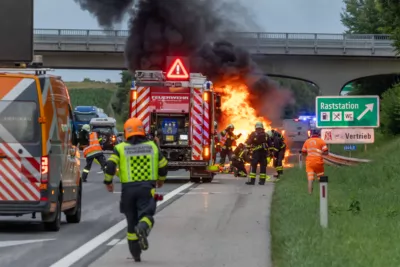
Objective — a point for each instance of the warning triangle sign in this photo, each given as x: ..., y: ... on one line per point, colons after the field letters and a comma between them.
x: 177, y: 71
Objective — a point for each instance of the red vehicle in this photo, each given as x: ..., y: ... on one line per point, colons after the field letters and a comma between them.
x: 179, y: 109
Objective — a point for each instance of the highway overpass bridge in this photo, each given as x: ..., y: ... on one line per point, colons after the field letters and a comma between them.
x: 328, y: 60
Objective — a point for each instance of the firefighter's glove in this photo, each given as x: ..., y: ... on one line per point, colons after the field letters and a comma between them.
x: 239, y: 135
x: 110, y: 187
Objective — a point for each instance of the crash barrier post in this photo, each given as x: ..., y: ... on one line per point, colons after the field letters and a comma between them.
x: 323, y: 201
x: 300, y: 160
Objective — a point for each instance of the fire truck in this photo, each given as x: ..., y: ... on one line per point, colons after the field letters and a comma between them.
x: 179, y: 108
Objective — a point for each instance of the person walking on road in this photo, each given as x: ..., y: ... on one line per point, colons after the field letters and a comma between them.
x: 142, y: 168
x: 258, y: 142
x: 92, y: 152
x: 314, y: 148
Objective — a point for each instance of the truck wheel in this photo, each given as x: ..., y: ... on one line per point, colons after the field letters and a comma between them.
x: 74, y: 215
x: 55, y: 224
x: 195, y: 180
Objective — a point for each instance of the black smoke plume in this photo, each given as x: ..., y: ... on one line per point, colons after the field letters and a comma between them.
x: 194, y: 28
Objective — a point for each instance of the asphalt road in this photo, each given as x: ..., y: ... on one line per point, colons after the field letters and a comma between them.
x: 23, y: 242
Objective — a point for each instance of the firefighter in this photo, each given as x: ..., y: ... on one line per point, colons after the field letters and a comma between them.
x: 227, y: 139
x: 258, y: 142
x: 92, y: 152
x: 239, y: 158
x: 314, y: 148
x: 277, y: 150
x: 142, y: 168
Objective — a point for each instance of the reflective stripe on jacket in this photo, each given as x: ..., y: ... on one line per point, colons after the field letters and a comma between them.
x: 93, y: 147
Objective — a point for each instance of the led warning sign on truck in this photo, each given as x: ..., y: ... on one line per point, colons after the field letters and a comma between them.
x: 177, y: 71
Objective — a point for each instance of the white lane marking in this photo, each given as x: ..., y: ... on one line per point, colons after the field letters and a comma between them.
x: 97, y: 241
x: 21, y: 242
x: 113, y: 242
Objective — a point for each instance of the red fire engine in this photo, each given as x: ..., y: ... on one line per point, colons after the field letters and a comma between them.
x: 179, y: 108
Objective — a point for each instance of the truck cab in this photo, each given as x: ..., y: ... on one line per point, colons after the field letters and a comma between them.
x: 83, y: 115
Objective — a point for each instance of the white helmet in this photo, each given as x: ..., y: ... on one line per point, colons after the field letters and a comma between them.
x: 269, y: 132
x: 86, y: 127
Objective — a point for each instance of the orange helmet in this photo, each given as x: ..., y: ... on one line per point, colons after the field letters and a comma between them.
x: 133, y: 126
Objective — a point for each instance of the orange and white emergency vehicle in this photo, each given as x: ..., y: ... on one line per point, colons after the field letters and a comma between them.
x: 179, y: 108
x: 39, y: 163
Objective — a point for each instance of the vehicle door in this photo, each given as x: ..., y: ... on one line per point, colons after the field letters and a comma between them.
x: 20, y: 139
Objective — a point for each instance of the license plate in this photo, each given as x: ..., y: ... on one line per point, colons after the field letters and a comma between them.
x: 169, y: 138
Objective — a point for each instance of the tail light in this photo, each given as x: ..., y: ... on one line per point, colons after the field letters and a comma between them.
x: 309, y: 133
x: 44, y: 170
x: 113, y: 138
x: 133, y: 95
x: 206, y: 152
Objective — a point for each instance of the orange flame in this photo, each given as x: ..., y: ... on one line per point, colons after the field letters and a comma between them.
x: 235, y: 107
x: 237, y: 110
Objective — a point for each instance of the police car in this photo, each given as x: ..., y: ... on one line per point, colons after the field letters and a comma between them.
x: 106, y: 130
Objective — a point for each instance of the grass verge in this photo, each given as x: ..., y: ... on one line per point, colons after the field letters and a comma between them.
x: 364, y: 213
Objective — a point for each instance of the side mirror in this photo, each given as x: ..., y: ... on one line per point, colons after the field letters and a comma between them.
x: 72, y: 151
x: 218, y: 101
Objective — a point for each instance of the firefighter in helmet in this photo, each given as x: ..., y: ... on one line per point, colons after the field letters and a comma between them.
x: 258, y: 141
x: 278, y: 150
x: 142, y: 168
x: 227, y: 140
x: 239, y: 158
x: 92, y: 152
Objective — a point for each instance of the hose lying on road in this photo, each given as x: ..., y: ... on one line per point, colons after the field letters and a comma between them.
x: 333, y: 159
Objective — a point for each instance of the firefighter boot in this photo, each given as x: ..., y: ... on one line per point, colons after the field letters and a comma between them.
x: 261, y: 181
x: 142, y: 230
x: 85, y: 175
x: 135, y: 250
x: 235, y: 172
x: 251, y: 181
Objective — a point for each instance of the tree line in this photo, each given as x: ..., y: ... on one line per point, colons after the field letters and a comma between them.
x: 377, y: 17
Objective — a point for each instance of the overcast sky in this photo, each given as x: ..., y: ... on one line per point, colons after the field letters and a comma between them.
x: 303, y: 16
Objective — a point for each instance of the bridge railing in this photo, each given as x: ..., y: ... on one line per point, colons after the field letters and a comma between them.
x: 246, y: 39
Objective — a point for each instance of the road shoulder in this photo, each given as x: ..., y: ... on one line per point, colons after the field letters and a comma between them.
x: 225, y: 223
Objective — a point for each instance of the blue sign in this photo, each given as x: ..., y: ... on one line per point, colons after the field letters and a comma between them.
x: 350, y: 147
x: 132, y: 84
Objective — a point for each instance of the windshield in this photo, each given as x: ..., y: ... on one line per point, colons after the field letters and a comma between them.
x: 103, y: 129
x: 19, y: 122
x: 85, y: 116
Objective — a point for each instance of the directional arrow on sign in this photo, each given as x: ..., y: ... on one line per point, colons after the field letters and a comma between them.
x: 369, y: 107
x: 4, y: 244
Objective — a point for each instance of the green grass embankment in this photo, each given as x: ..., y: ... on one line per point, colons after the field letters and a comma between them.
x: 364, y: 216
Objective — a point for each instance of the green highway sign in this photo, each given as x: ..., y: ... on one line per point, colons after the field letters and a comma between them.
x: 347, y: 111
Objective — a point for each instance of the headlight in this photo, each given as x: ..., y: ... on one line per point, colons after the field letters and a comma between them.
x: 183, y: 137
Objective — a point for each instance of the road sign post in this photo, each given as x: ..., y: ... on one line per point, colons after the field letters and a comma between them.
x: 347, y: 111
x: 323, y: 201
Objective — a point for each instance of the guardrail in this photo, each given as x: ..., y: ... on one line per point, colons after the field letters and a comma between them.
x: 245, y: 39
x: 337, y: 160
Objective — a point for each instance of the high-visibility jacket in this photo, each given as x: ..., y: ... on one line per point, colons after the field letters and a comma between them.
x: 138, y: 162
x: 314, y: 147
x: 93, y: 147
